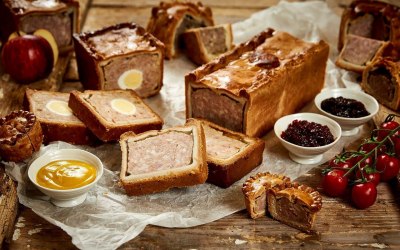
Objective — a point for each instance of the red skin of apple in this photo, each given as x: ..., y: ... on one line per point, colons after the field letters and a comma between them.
x: 27, y: 58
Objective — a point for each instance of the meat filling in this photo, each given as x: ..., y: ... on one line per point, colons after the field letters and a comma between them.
x: 216, y: 108
x: 382, y: 84
x: 60, y: 25
x: 221, y: 146
x: 260, y: 204
x: 360, y: 50
x: 292, y: 212
x: 102, y: 104
x: 167, y: 151
x: 188, y: 22
x: 214, y: 40
x: 370, y: 26
x: 147, y: 63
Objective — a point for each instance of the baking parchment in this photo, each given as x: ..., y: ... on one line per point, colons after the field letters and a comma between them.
x: 108, y: 217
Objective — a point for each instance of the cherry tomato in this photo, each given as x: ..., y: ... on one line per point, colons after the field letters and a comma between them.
x: 375, y: 177
x: 363, y: 195
x: 388, y: 166
x: 397, y: 146
x: 367, y: 162
x: 389, y: 126
x: 334, y: 183
x: 369, y: 146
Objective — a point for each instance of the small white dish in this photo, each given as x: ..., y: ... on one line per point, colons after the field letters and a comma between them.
x: 307, y: 155
x: 350, y: 126
x: 69, y: 197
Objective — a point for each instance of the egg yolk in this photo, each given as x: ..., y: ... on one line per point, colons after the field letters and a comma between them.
x: 131, y: 79
x: 59, y: 107
x: 66, y: 174
x: 123, y: 106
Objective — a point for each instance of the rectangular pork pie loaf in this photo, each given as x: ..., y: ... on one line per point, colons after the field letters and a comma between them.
x: 204, y: 44
x: 278, y: 75
x: 56, y: 118
x: 230, y: 155
x: 156, y: 161
x: 108, y: 114
x: 61, y: 18
x: 123, y: 56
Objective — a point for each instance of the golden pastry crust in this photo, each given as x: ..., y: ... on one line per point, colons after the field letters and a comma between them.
x: 296, y: 205
x: 20, y: 136
x: 299, y: 67
x: 255, y: 191
x: 166, y: 18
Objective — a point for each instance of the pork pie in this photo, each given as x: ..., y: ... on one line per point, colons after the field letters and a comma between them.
x: 230, y: 155
x: 56, y: 118
x: 122, y: 56
x: 156, y: 161
x: 255, y: 192
x: 108, y: 114
x: 204, y: 44
x: 20, y: 136
x: 278, y: 75
x: 61, y: 18
x: 170, y: 19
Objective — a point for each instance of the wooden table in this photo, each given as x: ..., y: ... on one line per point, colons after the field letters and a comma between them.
x: 338, y: 225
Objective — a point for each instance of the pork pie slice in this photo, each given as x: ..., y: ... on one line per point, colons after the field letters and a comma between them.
x: 170, y: 19
x: 122, y: 56
x: 20, y: 136
x: 60, y: 17
x: 381, y: 79
x: 378, y: 20
x: 230, y: 155
x: 295, y: 205
x: 358, y: 52
x: 156, y: 161
x: 204, y: 44
x: 108, y: 114
x: 56, y: 118
x: 255, y: 192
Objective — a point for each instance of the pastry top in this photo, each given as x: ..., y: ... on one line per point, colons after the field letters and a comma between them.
x: 260, y: 59
x: 119, y: 39
x: 15, y: 125
x: 266, y: 179
x: 22, y: 7
x: 367, y: 6
x: 300, y: 193
x: 166, y: 18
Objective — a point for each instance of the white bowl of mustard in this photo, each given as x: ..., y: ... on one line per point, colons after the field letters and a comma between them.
x: 66, y: 175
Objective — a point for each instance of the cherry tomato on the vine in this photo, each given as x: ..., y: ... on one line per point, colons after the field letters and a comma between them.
x: 388, y: 166
x: 367, y: 162
x: 340, y: 163
x: 363, y: 195
x: 374, y: 177
x: 334, y: 183
x: 390, y: 125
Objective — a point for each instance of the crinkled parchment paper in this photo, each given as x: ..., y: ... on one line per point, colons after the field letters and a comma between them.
x: 108, y: 217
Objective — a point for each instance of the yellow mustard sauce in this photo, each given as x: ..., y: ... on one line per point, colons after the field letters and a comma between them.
x: 66, y: 174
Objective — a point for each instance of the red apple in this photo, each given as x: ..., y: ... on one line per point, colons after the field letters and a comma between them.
x: 27, y: 58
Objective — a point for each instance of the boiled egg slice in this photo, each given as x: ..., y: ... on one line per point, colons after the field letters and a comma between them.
x: 59, y: 107
x: 123, y: 106
x: 131, y: 79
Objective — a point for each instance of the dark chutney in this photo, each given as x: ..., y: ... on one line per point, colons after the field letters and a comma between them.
x: 344, y: 107
x: 307, y: 134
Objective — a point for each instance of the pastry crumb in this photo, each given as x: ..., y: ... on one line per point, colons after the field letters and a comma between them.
x: 240, y: 242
